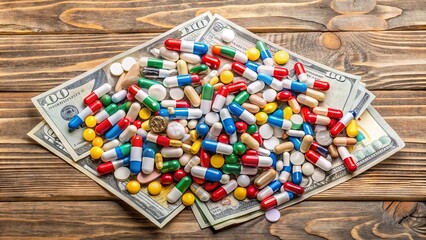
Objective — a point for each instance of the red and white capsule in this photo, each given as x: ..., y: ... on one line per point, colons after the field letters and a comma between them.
x: 108, y: 123
x: 294, y: 188
x: 224, y: 190
x: 244, y: 71
x: 276, y: 200
x: 220, y: 99
x: 318, y: 160
x: 256, y: 161
x: 347, y: 159
x: 275, y: 71
x: 329, y: 112
x: 300, y: 72
x: 318, y: 84
x: 158, y: 139
x: 175, y: 104
x: 97, y: 93
x: 317, y: 119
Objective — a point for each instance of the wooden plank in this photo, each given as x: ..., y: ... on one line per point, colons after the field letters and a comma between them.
x: 153, y: 16
x: 385, y: 60
x: 42, y: 176
x: 307, y: 220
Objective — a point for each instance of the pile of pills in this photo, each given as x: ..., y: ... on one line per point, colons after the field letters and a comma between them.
x: 214, y: 129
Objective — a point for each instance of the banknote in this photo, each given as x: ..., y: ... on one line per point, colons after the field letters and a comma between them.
x: 380, y: 142
x: 60, y: 104
x: 343, y: 86
x: 362, y: 99
x: 155, y: 208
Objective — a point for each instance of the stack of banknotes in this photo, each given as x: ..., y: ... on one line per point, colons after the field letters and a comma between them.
x: 347, y: 92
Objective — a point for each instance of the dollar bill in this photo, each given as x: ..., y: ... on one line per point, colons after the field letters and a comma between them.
x: 60, y: 104
x: 343, y: 86
x: 155, y: 208
x: 362, y: 100
x: 380, y: 142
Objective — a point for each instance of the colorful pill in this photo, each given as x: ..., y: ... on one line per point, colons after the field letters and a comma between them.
x: 148, y: 160
x: 344, y: 141
x: 274, y: 71
x: 117, y: 152
x: 227, y: 121
x: 294, y: 85
x: 175, y: 104
x: 252, y: 65
x: 293, y: 188
x: 106, y: 112
x: 236, y: 87
x: 136, y: 155
x: 162, y: 140
x: 206, y: 98
x: 287, y: 168
x: 208, y: 174
x: 276, y: 200
x: 317, y: 84
x: 271, y: 81
x: 241, y: 113
x: 108, y: 123
x: 318, y: 160
x: 319, y: 149
x: 279, y: 122
x: 220, y: 99
x: 181, y: 80
x: 265, y: 55
x: 118, y: 128
x: 256, y: 161
x: 170, y: 166
x: 317, y: 119
x: 154, y: 73
x: 265, y: 178
x: 284, y: 95
x: 230, y: 53
x: 328, y: 112
x: 156, y: 63
x: 186, y: 46
x: 224, y: 190
x: 300, y: 72
x: 347, y: 158
x: 342, y: 123
x: 244, y: 71
x: 269, y: 190
x: 352, y: 129
x: 233, y: 168
x: 111, y: 166
x: 97, y: 93
x: 181, y: 113
x: 144, y: 98
x: 211, y: 61
x: 79, y: 118
x: 179, y: 189
x: 296, y: 175
x: 217, y: 147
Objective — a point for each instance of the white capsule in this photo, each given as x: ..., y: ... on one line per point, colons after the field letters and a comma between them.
x: 119, y: 96
x: 171, y: 152
x: 295, y: 133
x: 218, y: 103
x: 190, y: 58
x: 184, y: 159
x: 133, y: 112
x: 128, y: 133
x: 263, y: 152
x: 214, y: 131
x: 255, y: 87
x: 200, y: 192
x: 194, y: 161
x: 169, y: 54
x: 110, y: 145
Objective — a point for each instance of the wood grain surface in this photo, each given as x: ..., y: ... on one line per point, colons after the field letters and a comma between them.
x: 46, y: 42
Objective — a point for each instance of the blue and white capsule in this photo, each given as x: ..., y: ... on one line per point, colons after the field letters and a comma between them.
x: 270, y: 81
x: 116, y: 153
x: 252, y: 65
x: 265, y: 55
x: 217, y: 147
x: 241, y: 113
x: 208, y: 174
x: 294, y: 85
x: 279, y: 122
x: 181, y: 80
x: 181, y: 113
x: 227, y: 121
x: 269, y: 190
x: 287, y: 168
x: 296, y: 142
x: 307, y: 128
x: 202, y: 129
x: 296, y: 176
x: 118, y: 128
x: 79, y: 118
x: 136, y: 155
x: 148, y: 160
x: 198, y: 48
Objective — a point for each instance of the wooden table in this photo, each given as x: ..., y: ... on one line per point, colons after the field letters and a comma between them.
x: 44, y: 43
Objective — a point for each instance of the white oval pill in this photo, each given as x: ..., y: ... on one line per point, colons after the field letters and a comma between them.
x: 269, y: 95
x: 225, y: 179
x: 272, y: 215
x: 116, y: 69
x: 127, y: 63
x: 122, y: 174
x: 271, y: 143
x: 228, y: 35
x: 158, y: 92
x: 176, y: 93
x: 243, y: 180
x: 308, y: 169
x: 211, y: 118
x: 266, y: 131
x: 297, y: 158
x: 318, y: 175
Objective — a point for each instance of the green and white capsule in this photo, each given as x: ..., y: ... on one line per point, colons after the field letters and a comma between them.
x: 179, y: 189
x: 230, y: 53
x: 156, y: 63
x: 107, y: 112
x: 206, y: 98
x: 144, y: 98
x: 265, y: 55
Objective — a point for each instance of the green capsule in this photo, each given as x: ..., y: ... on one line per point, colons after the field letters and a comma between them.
x: 239, y: 148
x: 231, y: 168
x: 146, y: 83
x: 207, y: 93
x: 200, y: 69
x: 106, y: 100
x: 170, y: 166
x: 111, y: 109
x: 251, y: 129
x: 231, y: 158
x: 125, y: 106
x: 241, y: 97
x: 124, y: 150
x: 184, y: 184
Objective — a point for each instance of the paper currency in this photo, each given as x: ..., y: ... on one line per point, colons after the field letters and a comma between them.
x: 381, y: 141
x: 343, y: 86
x: 61, y: 103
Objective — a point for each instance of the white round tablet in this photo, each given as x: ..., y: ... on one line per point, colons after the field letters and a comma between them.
x: 318, y: 175
x: 176, y: 93
x: 175, y: 130
x: 266, y: 131
x: 116, y: 69
x: 308, y: 169
x: 278, y: 132
x: 272, y: 215
x: 228, y: 35
x: 297, y: 158
x: 269, y: 95
x: 127, y: 63
x: 158, y: 92
x: 122, y: 174
x: 211, y: 118
x: 243, y: 180
x: 271, y: 143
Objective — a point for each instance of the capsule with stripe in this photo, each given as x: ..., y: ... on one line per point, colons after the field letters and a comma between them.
x: 117, y: 152
x: 276, y: 200
x: 274, y: 71
x: 294, y: 85
x: 106, y: 112
x: 287, y: 168
x: 300, y: 72
x: 318, y: 160
x: 342, y: 123
x: 347, y: 158
x: 148, y: 160
x: 233, y: 168
x: 279, y: 122
x: 227, y: 121
x: 252, y: 65
x: 220, y: 99
x: 136, y: 155
x: 144, y: 98
x: 328, y: 112
x: 319, y: 149
x: 97, y: 93
x: 296, y: 175
x: 317, y: 119
x: 206, y: 98
x: 181, y: 113
x: 156, y: 63
x: 179, y: 189
x: 162, y: 140
x: 265, y: 55
x: 217, y: 147
x: 108, y: 123
x: 242, y: 113
x: 317, y: 84
x: 118, y: 128
x: 230, y: 53
x: 224, y: 190
x: 175, y: 104
x: 256, y: 161
x: 198, y: 48
x: 111, y: 166
x: 269, y: 190
x: 244, y: 71
x: 79, y: 118
x: 155, y: 73
x: 208, y: 174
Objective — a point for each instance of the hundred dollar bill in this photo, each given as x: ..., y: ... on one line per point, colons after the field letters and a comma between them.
x: 155, y: 208
x: 380, y: 142
x: 343, y: 86
x: 362, y: 100
x: 60, y: 104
